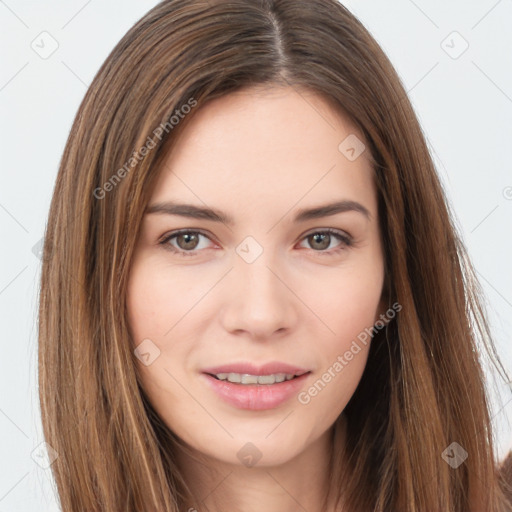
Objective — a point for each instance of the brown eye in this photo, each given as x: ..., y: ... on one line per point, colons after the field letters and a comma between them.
x: 319, y: 241
x: 187, y: 241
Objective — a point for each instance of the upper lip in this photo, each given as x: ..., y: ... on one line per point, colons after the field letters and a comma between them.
x: 252, y: 369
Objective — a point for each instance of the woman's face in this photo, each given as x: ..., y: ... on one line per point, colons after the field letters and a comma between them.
x: 259, y: 287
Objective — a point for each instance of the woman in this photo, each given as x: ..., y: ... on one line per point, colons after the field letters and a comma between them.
x: 253, y: 292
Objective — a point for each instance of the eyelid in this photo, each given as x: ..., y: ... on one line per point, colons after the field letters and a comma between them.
x: 170, y: 234
x: 331, y: 231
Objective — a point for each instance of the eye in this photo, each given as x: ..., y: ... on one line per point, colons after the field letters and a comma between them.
x: 187, y: 242
x: 321, y: 239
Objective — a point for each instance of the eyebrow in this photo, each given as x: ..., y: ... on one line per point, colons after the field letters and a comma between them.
x: 197, y: 212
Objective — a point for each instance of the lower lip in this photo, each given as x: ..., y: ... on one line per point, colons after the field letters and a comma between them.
x: 256, y: 397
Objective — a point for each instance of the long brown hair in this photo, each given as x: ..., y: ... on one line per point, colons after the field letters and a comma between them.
x: 423, y: 386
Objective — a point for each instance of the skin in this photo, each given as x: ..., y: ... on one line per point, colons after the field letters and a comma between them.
x: 260, y: 156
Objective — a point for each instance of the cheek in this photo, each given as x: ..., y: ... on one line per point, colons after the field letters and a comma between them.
x: 350, y: 313
x: 347, y: 303
x: 158, y: 298
x: 142, y: 306
x: 355, y: 310
x: 349, y: 307
x: 152, y: 306
x: 159, y: 303
x: 153, y: 309
x: 328, y: 394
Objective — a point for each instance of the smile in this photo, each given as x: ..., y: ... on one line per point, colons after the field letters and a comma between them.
x: 246, y: 378
x: 255, y: 392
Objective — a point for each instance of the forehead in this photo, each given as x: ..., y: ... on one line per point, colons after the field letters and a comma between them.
x: 267, y: 149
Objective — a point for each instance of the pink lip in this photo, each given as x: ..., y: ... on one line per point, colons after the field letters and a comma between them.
x: 256, y: 397
x: 265, y: 369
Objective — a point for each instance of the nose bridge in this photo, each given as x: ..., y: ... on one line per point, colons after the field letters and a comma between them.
x: 259, y: 302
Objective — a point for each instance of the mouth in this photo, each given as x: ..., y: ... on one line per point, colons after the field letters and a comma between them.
x: 250, y: 379
x: 245, y: 386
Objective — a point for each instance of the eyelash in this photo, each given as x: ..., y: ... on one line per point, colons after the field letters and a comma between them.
x: 346, y: 240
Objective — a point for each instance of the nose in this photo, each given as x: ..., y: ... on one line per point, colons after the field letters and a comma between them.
x: 259, y: 302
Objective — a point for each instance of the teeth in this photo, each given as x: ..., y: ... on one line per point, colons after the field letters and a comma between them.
x: 246, y: 378
x: 249, y: 379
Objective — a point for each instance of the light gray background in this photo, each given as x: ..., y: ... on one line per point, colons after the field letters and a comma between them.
x: 464, y: 103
